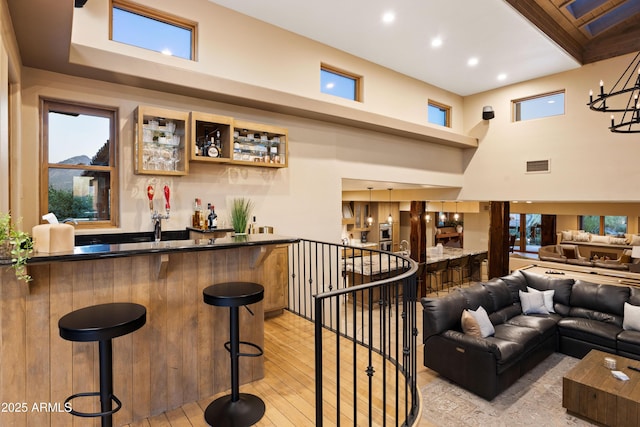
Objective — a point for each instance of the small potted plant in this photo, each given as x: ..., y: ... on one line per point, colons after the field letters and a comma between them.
x: 240, y: 211
x: 16, y: 246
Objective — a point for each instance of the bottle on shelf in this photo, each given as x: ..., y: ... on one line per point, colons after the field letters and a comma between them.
x: 212, y: 220
x: 253, y: 227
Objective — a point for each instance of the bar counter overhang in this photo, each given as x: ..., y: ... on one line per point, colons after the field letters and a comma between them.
x: 177, y: 357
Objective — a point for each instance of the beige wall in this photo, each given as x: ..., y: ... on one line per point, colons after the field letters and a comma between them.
x: 588, y: 162
x: 302, y: 200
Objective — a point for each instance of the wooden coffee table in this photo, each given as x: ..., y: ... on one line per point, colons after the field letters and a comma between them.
x: 590, y: 390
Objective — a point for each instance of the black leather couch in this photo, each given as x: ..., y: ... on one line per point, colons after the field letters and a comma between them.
x: 587, y: 316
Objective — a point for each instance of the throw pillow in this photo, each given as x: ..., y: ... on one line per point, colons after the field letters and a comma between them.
x: 470, y: 325
x: 631, y: 320
x: 567, y: 235
x: 600, y: 239
x: 634, y: 240
x: 481, y: 316
x: 581, y: 237
x: 532, y: 303
x: 547, y: 296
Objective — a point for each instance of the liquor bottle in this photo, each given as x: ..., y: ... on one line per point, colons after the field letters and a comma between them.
x: 218, y: 141
x: 195, y: 222
x: 213, y: 217
x: 253, y: 227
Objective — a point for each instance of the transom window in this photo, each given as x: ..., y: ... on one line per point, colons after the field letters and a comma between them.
x: 607, y: 225
x: 149, y: 29
x: 79, y: 174
x: 439, y: 114
x: 537, y: 107
x: 339, y: 83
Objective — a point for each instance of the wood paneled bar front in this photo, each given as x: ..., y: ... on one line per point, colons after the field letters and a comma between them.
x: 177, y: 357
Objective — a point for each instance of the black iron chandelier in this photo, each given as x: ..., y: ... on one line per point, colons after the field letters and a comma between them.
x: 614, y: 101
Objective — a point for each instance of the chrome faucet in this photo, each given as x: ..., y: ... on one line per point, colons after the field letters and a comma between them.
x: 157, y: 224
x: 69, y: 220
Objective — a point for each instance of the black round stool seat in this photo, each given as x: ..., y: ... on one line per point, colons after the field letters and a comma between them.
x: 236, y: 409
x: 233, y: 294
x: 102, y: 322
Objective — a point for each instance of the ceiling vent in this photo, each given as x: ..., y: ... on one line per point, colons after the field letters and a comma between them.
x: 538, y: 166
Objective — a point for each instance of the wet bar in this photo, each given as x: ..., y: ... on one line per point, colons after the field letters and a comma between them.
x: 177, y: 357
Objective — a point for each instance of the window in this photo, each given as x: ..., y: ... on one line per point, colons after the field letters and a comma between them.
x: 79, y: 175
x: 339, y: 83
x: 611, y: 224
x: 536, y: 107
x: 439, y: 114
x: 142, y: 27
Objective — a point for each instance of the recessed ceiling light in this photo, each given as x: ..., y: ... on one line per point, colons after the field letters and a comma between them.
x: 329, y: 85
x: 436, y: 42
x: 551, y: 101
x: 472, y: 62
x: 502, y: 76
x: 388, y: 17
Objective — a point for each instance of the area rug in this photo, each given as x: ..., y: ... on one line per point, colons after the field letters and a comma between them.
x: 534, y: 400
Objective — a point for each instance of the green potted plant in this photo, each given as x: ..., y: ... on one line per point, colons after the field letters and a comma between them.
x: 15, y: 245
x: 240, y: 211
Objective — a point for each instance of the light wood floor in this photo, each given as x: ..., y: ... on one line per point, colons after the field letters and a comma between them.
x: 288, y: 388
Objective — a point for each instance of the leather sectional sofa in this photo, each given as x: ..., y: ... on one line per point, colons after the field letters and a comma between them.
x: 586, y: 316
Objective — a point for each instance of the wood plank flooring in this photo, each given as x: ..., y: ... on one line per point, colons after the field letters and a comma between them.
x: 288, y: 387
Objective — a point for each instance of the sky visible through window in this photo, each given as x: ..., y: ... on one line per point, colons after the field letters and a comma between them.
x: 437, y: 115
x: 337, y: 84
x: 148, y: 33
x: 544, y: 106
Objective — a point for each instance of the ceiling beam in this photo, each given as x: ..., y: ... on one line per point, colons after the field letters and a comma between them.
x: 541, y: 19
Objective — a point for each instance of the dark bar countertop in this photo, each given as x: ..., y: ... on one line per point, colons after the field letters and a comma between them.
x: 103, y: 246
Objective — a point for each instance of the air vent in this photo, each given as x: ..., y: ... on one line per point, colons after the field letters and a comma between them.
x: 538, y: 166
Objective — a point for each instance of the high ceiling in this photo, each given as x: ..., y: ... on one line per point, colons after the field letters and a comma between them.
x: 494, y: 32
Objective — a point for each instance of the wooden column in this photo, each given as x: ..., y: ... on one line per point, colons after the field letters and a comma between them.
x: 418, y: 237
x: 548, y: 230
x: 499, y: 240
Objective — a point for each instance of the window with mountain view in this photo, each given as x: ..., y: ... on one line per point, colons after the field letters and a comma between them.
x: 79, y: 175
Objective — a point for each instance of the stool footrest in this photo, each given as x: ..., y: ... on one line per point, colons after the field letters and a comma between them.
x: 93, y: 414
x: 260, y: 352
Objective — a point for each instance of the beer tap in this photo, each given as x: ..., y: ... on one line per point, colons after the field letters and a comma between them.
x: 156, y: 217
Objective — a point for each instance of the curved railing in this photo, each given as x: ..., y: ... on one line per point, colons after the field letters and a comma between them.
x: 363, y: 304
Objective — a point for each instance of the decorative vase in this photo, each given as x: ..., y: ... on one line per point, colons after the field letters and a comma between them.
x: 459, y: 229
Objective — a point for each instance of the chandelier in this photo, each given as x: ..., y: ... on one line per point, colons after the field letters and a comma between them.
x: 614, y: 101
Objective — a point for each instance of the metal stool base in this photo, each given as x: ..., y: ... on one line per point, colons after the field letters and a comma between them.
x: 93, y: 414
x: 246, y: 411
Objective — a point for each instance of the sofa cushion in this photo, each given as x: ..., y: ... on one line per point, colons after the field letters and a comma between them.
x: 500, y: 294
x: 631, y: 320
x: 629, y: 343
x: 515, y: 281
x: 476, y: 295
x: 561, y: 287
x: 441, y: 314
x: 532, y: 303
x: 506, y: 313
x: 514, y: 341
x: 544, y: 324
x: 590, y: 330
x: 599, y: 302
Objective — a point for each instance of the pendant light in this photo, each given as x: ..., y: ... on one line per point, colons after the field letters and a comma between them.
x: 456, y: 216
x: 390, y: 218
x: 370, y: 218
x: 443, y: 217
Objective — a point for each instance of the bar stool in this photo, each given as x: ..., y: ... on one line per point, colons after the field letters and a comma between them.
x: 236, y: 409
x: 435, y: 271
x: 102, y: 323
